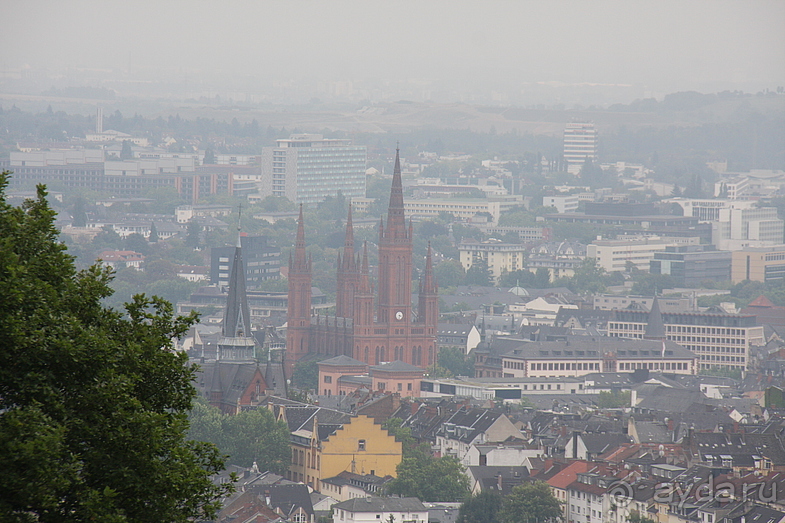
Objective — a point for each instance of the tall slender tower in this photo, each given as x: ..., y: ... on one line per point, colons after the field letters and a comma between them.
x: 299, y: 306
x: 236, y: 342
x: 348, y: 276
x: 428, y: 300
x: 395, y: 258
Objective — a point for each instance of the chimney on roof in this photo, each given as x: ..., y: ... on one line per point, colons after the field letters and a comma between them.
x: 671, y: 423
x: 499, y: 481
x: 267, y: 497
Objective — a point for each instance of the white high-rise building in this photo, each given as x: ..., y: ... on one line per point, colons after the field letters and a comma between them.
x: 580, y: 144
x: 307, y: 168
x: 737, y: 228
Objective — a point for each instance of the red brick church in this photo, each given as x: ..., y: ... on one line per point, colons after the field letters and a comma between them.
x: 372, y: 325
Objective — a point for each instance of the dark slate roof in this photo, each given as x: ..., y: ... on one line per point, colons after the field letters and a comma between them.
x: 584, y: 317
x: 666, y: 399
x: 591, y: 347
x: 301, y: 417
x: 739, y: 446
x: 758, y: 514
x: 373, y: 504
x: 396, y: 366
x: 454, y: 329
x: 289, y: 497
x: 469, y: 423
x: 600, y: 443
x: 343, y: 360
x: 655, y: 328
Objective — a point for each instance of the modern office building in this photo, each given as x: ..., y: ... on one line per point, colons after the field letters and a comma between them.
x: 718, y: 339
x: 615, y: 255
x: 692, y: 265
x: 561, y: 203
x: 580, y: 145
x: 262, y: 261
x: 307, y: 168
x: 764, y: 264
x: 463, y: 209
x: 88, y: 169
x: 737, y: 228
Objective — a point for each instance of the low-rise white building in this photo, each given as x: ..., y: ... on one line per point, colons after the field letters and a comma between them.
x: 376, y: 510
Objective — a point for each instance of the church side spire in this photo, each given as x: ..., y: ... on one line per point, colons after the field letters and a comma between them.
x: 347, y: 277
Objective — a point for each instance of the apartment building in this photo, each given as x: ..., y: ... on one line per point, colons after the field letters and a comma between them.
x: 307, y: 168
x: 580, y: 145
x: 500, y: 257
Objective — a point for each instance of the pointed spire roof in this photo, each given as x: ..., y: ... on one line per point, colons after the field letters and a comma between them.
x: 396, y: 223
x: 237, y: 316
x: 348, y: 245
x: 428, y: 285
x: 365, y: 283
x: 655, y: 328
x: 300, y: 259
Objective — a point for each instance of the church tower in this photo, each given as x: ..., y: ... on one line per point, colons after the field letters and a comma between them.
x: 236, y: 342
x: 299, y: 307
x: 395, y: 258
x: 348, y: 275
x: 428, y: 301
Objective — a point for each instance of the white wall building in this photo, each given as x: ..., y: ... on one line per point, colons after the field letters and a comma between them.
x: 580, y: 145
x: 376, y: 510
x: 562, y: 203
x: 738, y: 228
x: 613, y: 255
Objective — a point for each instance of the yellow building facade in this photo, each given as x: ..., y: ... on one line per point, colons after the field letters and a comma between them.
x: 360, y: 446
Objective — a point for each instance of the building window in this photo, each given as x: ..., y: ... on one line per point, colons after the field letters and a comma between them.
x: 361, y: 445
x: 328, y: 379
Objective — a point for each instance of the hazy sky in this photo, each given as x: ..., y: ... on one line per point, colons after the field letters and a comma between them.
x: 663, y: 44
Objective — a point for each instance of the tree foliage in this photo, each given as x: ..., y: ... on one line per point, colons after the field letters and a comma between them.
x: 430, y: 479
x: 92, y: 403
x: 247, y: 437
x: 530, y: 502
x: 614, y: 400
x: 483, y: 507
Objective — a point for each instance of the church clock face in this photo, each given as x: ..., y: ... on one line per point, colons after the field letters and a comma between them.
x: 399, y: 315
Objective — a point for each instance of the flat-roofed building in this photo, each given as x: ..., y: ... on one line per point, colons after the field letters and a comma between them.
x: 580, y: 355
x: 691, y: 265
x: 763, y: 264
x: 615, y: 255
x: 463, y: 209
x: 718, y: 339
x: 307, y: 168
x: 499, y: 257
x: 580, y: 145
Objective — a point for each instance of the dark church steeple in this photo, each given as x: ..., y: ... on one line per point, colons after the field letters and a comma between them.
x: 655, y: 328
x: 237, y: 342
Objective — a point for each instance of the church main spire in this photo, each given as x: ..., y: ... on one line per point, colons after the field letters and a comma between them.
x: 396, y: 222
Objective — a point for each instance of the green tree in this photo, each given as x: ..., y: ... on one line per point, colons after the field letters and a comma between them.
x: 454, y: 360
x: 92, y: 403
x: 530, y: 502
x: 481, y: 508
x: 153, y: 238
x: 613, y: 400
x: 306, y: 375
x: 479, y: 274
x: 636, y: 517
x: 127, y: 152
x: 430, y: 479
x: 209, y: 156
x: 80, y: 216
x: 193, y: 233
x: 449, y: 273
x: 255, y: 436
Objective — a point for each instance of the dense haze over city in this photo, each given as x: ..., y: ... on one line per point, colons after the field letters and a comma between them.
x: 497, y: 52
x: 404, y: 262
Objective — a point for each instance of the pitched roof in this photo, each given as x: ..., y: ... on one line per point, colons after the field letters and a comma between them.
x: 567, y: 475
x: 343, y: 360
x: 374, y: 504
